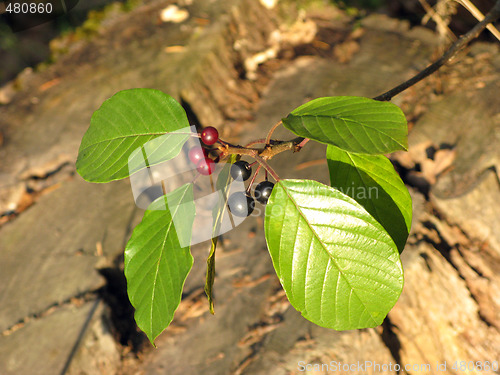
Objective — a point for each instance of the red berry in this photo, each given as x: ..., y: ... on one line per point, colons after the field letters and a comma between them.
x: 209, y: 135
x: 206, y: 166
x: 196, y: 154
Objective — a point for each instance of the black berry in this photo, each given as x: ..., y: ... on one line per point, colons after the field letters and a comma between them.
x: 241, y: 169
x: 209, y: 135
x: 240, y: 204
x: 263, y: 191
x: 206, y: 166
x: 196, y: 154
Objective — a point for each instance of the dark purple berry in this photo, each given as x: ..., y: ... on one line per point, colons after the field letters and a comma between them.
x: 240, y: 205
x: 263, y: 191
x: 241, y: 169
x: 206, y: 166
x: 209, y: 135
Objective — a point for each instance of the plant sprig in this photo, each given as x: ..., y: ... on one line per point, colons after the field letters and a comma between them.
x: 335, y: 251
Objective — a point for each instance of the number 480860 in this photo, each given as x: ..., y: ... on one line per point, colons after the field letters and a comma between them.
x: 29, y: 8
x: 475, y: 366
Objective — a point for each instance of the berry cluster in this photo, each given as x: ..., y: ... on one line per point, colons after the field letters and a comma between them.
x: 242, y: 204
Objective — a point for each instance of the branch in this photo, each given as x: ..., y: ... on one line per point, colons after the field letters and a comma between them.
x: 266, y: 153
x: 462, y: 42
x: 479, y: 16
x: 275, y: 147
x: 268, y: 138
x: 257, y: 141
x: 267, y: 167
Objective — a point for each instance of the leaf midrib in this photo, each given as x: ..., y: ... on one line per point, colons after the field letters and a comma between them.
x: 121, y: 137
x: 324, y: 248
x: 340, y: 118
x: 161, y: 254
x: 364, y: 125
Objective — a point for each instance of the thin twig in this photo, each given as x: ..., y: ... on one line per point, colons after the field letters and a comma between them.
x: 464, y: 40
x: 268, y: 152
x: 255, y: 142
x: 267, y: 167
x: 311, y: 163
x: 479, y: 16
x: 271, y: 150
x: 302, y: 143
x: 441, y: 24
x: 239, y: 150
x: 268, y: 138
x: 253, y: 179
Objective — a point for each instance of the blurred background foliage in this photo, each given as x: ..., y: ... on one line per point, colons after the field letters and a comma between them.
x: 31, y: 47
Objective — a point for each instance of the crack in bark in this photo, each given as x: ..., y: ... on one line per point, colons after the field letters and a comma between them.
x: 37, y: 183
x: 391, y: 340
x: 260, y: 330
x: 446, y: 250
x: 80, y: 337
x: 78, y: 299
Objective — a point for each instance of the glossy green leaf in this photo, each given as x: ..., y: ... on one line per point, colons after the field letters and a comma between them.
x: 336, y: 263
x: 124, y: 122
x: 156, y: 265
x: 157, y: 150
x: 372, y: 181
x: 351, y: 123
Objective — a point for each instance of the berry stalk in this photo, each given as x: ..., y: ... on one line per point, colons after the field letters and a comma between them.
x: 253, y: 179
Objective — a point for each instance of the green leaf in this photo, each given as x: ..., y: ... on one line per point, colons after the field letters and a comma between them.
x: 157, y: 150
x: 156, y: 265
x: 210, y: 276
x: 351, y: 123
x: 126, y: 121
x: 372, y: 181
x: 336, y: 263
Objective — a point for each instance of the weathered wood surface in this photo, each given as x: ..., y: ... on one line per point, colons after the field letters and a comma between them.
x: 449, y: 310
x: 50, y: 252
x: 41, y: 347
